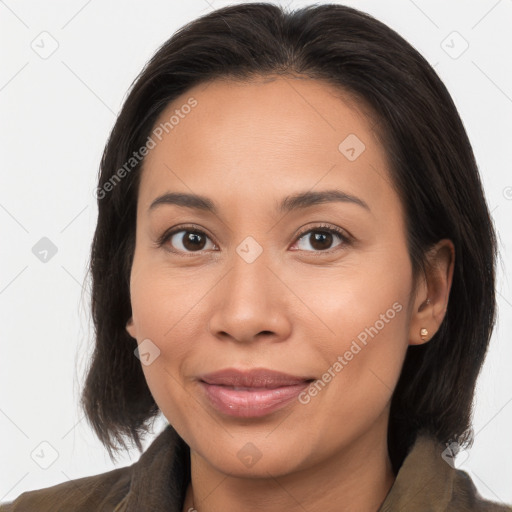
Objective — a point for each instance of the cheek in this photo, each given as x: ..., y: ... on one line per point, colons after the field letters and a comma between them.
x: 164, y: 315
x: 365, y: 299
x: 367, y: 312
x: 165, y: 308
x: 163, y: 302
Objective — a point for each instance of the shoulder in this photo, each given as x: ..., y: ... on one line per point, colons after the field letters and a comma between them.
x: 466, y: 494
x: 98, y: 492
x: 429, y: 480
x: 157, y: 479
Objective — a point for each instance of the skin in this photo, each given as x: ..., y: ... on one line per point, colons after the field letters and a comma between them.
x: 295, y: 309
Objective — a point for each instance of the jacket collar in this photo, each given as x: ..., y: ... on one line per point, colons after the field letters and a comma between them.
x: 425, y: 481
x: 160, y: 477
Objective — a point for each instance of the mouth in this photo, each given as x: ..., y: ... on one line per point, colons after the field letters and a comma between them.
x: 253, y: 393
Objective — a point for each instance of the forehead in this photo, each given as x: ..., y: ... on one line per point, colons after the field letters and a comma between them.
x: 260, y: 137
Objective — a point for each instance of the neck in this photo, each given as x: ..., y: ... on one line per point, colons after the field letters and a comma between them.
x: 358, y: 477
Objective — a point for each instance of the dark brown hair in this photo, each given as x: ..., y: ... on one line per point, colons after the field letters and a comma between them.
x: 432, y: 167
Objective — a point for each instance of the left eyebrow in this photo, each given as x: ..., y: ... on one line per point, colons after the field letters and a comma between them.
x: 306, y: 199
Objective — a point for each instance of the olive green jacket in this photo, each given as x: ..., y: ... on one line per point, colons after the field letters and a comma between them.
x: 158, y: 480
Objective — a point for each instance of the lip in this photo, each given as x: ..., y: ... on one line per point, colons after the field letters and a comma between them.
x: 251, y: 393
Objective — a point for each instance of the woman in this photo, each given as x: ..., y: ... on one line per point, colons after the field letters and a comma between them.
x: 294, y: 263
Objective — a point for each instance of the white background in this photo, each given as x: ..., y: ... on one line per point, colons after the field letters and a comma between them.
x: 56, y: 114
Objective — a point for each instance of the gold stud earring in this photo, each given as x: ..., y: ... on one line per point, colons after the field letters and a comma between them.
x: 423, y: 333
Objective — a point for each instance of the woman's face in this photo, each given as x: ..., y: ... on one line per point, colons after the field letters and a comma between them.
x: 261, y: 283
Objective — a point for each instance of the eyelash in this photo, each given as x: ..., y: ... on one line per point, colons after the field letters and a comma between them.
x: 345, y: 238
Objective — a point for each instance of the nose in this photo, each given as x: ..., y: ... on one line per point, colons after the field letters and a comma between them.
x: 250, y: 303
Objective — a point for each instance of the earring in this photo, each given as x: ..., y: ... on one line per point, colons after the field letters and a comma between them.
x: 427, y: 301
x: 423, y: 333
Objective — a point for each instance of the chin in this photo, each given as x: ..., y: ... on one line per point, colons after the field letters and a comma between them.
x: 254, y: 456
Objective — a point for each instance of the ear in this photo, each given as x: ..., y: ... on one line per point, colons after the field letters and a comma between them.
x: 432, y: 293
x: 130, y: 328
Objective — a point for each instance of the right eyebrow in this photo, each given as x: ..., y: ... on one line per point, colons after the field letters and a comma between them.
x: 187, y: 200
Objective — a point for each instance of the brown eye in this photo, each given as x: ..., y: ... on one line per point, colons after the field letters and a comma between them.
x: 187, y: 240
x: 321, y: 239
